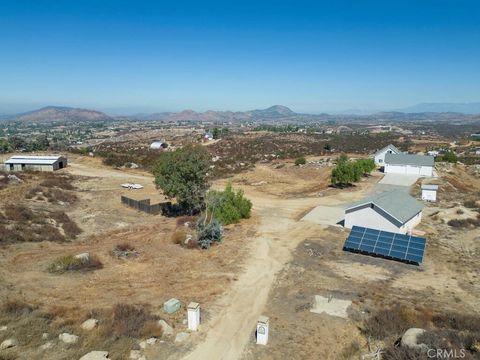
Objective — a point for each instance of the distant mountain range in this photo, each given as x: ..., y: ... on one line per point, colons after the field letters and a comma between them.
x: 59, y: 113
x: 464, y: 108
x: 273, y: 114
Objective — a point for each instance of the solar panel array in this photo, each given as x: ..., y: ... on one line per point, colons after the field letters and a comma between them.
x: 386, y: 244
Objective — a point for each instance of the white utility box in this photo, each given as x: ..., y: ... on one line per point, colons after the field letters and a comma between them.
x: 262, y: 330
x: 193, y: 316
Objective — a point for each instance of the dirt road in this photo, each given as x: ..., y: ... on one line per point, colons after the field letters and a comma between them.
x: 279, y: 233
x: 237, y: 313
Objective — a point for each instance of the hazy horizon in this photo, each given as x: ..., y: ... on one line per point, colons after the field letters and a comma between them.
x: 311, y: 56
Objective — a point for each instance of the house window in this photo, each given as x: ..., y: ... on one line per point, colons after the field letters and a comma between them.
x: 380, y: 160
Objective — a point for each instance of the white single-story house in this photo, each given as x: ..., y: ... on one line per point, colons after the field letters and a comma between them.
x: 379, y: 156
x: 35, y: 163
x: 429, y: 192
x: 393, y: 211
x: 409, y: 164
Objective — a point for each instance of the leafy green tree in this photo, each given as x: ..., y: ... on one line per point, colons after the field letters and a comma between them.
x: 449, y: 156
x: 347, y: 172
x: 182, y: 174
x: 216, y: 133
x: 4, y: 146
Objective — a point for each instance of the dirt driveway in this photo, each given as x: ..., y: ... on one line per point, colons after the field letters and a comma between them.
x: 279, y: 233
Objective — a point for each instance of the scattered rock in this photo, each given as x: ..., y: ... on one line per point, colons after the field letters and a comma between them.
x: 84, y: 257
x: 184, y: 321
x: 135, y: 354
x: 476, y: 347
x: 167, y: 330
x: 68, y: 338
x: 410, y: 338
x: 89, y: 324
x: 182, y: 336
x: 45, y: 336
x: 133, y: 166
x: 95, y: 355
x: 47, y: 345
x: 149, y: 342
x: 3, y: 328
x: 14, y: 178
x: 8, y: 344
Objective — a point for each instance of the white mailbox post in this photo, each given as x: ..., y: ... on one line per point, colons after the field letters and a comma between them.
x: 193, y: 316
x: 262, y: 330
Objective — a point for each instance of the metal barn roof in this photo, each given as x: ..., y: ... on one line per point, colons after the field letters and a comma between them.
x: 409, y: 159
x: 33, y: 160
x: 396, y: 203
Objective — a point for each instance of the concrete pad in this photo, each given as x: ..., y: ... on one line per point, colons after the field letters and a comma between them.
x: 331, y: 306
x: 399, y: 179
x: 325, y: 215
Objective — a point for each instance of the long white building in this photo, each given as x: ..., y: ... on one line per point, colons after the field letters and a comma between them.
x: 35, y: 163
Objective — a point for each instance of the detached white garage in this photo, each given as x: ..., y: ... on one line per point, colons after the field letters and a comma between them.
x: 408, y: 164
x: 393, y: 211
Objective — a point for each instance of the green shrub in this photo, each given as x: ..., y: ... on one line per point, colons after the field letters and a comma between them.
x: 300, y: 161
x: 228, y: 206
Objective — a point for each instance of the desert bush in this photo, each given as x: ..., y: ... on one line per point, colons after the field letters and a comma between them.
x: 209, y: 233
x: 16, y: 307
x: 33, y: 192
x: 300, y: 161
x: 55, y: 195
x: 392, y: 321
x: 182, y: 220
x: 71, y: 263
x: 61, y: 182
x: 471, y: 204
x: 70, y: 228
x: 464, y: 223
x: 228, y: 206
x: 18, y: 213
x: 132, y: 321
x: 351, y: 351
x: 179, y: 235
x: 124, y: 246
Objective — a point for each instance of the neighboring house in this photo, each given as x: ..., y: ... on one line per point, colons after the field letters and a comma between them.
x: 393, y: 211
x: 477, y: 151
x: 35, y: 163
x: 409, y: 164
x: 429, y: 192
x: 433, y: 153
x: 379, y: 156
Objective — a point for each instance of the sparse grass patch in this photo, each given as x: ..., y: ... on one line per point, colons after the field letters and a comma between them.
x: 131, y: 321
x: 71, y: 263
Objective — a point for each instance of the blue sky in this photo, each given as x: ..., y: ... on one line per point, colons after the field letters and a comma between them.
x: 313, y: 56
